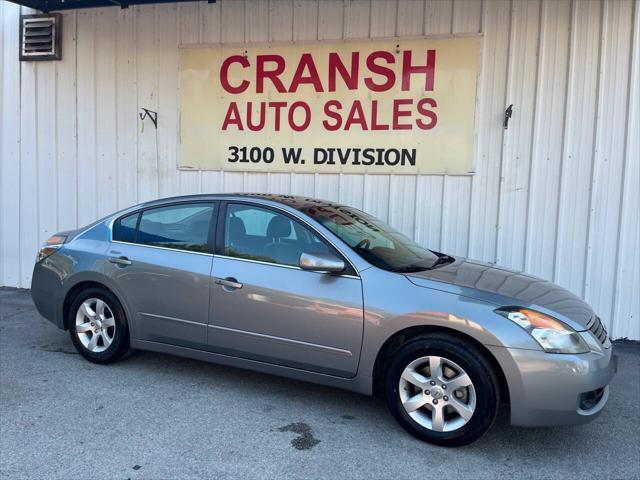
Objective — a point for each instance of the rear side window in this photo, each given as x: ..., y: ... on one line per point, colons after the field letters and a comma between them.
x: 124, y: 230
x: 183, y: 227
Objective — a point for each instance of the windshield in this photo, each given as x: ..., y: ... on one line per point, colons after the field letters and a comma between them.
x: 375, y: 241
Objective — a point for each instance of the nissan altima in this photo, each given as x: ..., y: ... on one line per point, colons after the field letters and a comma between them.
x: 322, y: 292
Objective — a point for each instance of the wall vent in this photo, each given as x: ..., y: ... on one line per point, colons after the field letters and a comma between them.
x: 40, y: 37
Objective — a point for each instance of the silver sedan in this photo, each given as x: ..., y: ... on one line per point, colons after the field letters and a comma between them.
x: 326, y: 293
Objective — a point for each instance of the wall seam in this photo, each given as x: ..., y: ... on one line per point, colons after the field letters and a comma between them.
x: 624, y: 168
x: 476, y: 137
x: 75, y: 76
x: 453, y: 11
x: 505, y: 137
x: 19, y: 152
x: 56, y: 202
x: 115, y: 104
x: 3, y: 14
x: 96, y: 208
x: 156, y: 86
x: 565, y: 133
x: 135, y: 54
x: 222, y: 180
x: 37, y: 155
x: 293, y: 21
x: 534, y: 124
x: 443, y: 209
x: 596, y: 130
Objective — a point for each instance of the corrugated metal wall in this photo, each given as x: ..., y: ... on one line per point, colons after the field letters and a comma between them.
x: 556, y: 194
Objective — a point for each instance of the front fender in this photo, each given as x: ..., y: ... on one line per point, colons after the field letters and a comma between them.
x: 393, y: 303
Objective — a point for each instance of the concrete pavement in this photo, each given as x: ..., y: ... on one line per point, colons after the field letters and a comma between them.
x: 158, y: 416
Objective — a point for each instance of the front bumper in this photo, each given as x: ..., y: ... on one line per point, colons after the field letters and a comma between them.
x: 546, y: 389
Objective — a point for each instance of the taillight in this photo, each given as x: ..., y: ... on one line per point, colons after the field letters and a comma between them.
x: 50, y: 246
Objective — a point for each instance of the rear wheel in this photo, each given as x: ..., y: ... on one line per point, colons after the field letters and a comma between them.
x: 98, y: 327
x: 442, y: 390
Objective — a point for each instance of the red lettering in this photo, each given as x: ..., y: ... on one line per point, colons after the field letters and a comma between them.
x: 356, y: 116
x: 423, y: 110
x: 260, y: 125
x: 262, y: 73
x: 350, y: 78
x: 332, y: 114
x: 277, y: 106
x: 374, y: 118
x: 299, y: 78
x: 397, y: 113
x: 232, y: 117
x: 386, y: 72
x: 307, y: 119
x: 224, y: 74
x: 428, y: 70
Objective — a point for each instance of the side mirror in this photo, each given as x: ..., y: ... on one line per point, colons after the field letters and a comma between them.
x: 321, y: 262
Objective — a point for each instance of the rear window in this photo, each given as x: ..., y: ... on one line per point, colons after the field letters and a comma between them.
x: 124, y: 230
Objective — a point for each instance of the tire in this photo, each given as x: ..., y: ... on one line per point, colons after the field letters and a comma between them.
x: 111, y: 337
x: 478, y: 401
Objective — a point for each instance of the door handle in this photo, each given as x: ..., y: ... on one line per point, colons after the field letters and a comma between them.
x: 122, y: 261
x: 229, y: 282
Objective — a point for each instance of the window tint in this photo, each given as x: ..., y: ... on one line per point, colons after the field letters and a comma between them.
x: 124, y: 229
x: 260, y: 234
x: 185, y: 227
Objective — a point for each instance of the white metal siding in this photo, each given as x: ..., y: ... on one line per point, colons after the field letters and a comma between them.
x: 556, y: 194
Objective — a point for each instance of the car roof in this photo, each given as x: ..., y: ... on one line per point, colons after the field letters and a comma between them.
x: 294, y: 201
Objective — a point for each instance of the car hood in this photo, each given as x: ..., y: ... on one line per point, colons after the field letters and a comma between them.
x: 504, y: 287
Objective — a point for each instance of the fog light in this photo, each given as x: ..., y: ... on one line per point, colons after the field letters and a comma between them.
x: 588, y: 400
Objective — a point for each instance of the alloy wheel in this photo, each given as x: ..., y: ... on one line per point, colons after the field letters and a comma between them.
x: 95, y: 325
x: 437, y: 393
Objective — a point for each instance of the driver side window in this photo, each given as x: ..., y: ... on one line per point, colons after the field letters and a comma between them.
x: 265, y: 235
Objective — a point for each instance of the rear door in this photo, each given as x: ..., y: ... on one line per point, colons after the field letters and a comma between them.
x: 161, y: 258
x: 265, y: 307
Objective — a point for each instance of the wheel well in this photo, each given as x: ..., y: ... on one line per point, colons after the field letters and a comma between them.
x: 73, y: 293
x: 402, y: 337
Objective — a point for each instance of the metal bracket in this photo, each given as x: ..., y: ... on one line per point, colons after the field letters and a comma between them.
x: 151, y: 114
x: 507, y: 115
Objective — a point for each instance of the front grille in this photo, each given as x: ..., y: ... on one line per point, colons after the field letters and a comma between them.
x: 596, y: 327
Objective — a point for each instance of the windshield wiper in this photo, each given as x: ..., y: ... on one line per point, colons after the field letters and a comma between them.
x: 442, y: 260
x: 416, y: 267
x: 411, y: 269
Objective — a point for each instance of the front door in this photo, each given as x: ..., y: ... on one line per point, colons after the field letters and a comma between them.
x: 264, y: 307
x: 161, y: 259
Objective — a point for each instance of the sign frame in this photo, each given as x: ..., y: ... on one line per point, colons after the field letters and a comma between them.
x: 399, y: 39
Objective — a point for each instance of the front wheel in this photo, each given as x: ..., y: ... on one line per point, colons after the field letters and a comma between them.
x: 98, y: 327
x: 442, y: 390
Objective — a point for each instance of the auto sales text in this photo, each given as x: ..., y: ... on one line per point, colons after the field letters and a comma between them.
x: 377, y: 72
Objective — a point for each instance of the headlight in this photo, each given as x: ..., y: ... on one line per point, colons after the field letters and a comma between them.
x: 552, y: 335
x: 50, y: 246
